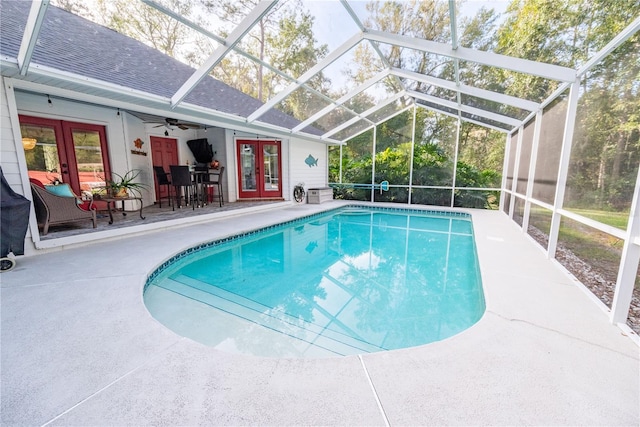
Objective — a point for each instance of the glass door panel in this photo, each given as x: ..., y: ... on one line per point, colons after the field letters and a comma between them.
x: 271, y: 168
x: 41, y: 152
x: 61, y: 151
x: 87, y: 152
x: 259, y: 169
x: 247, y: 156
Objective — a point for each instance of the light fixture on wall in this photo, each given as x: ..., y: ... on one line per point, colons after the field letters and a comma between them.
x: 166, y: 133
x: 29, y: 143
x: 49, y: 101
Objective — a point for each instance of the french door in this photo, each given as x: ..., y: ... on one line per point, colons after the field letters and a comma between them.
x: 164, y: 152
x: 259, y: 169
x: 63, y: 151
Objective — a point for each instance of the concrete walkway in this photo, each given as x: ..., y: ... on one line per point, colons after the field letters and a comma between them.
x: 79, y: 348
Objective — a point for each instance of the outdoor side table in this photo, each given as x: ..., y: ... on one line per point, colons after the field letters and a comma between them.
x: 113, y: 200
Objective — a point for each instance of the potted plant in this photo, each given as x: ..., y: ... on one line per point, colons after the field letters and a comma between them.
x: 124, y: 185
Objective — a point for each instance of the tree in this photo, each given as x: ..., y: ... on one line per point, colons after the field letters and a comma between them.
x: 283, y: 38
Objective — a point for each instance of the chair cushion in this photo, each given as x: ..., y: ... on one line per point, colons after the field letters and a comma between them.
x: 63, y: 190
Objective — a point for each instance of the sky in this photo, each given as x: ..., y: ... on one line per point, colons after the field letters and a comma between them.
x: 333, y: 25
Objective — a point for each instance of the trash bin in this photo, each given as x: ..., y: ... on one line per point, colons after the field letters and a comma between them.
x: 14, y: 220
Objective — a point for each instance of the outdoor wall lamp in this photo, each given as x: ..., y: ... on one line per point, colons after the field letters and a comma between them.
x: 29, y: 143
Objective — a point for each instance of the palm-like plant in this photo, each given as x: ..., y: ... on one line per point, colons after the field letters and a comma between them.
x: 122, y: 185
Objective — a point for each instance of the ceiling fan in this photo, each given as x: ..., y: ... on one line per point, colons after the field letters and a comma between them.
x: 179, y: 124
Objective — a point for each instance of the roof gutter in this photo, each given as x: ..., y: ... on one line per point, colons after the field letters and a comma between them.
x: 149, y: 103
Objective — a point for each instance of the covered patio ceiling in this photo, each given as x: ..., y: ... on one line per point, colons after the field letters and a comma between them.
x: 353, y: 105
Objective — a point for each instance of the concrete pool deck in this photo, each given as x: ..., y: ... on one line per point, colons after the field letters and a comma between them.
x: 79, y: 348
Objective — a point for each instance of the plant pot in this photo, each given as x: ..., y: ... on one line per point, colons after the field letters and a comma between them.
x: 121, y: 193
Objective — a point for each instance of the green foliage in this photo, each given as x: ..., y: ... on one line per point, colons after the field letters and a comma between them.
x: 126, y: 181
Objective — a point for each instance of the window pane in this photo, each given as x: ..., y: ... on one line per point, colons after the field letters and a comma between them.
x: 434, y: 150
x: 88, y: 153
x: 550, y: 145
x: 525, y: 158
x: 590, y: 255
x: 479, y: 199
x: 42, y: 159
x: 539, y: 225
x: 606, y: 143
x: 518, y: 210
x: 431, y: 196
x: 480, y: 157
x: 513, y: 147
x: 356, y: 168
x: 393, y: 151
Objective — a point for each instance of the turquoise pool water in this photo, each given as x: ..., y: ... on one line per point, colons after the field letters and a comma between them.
x: 348, y: 281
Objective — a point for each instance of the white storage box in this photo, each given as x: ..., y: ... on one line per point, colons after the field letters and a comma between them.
x: 319, y: 195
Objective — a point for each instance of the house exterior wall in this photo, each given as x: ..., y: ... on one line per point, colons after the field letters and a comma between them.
x: 121, y: 130
x: 8, y: 154
x: 298, y: 157
x: 13, y: 165
x: 295, y: 169
x: 309, y: 164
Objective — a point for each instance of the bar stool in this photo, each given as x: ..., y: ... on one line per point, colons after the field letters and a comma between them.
x: 215, y: 180
x: 162, y: 179
x: 181, y: 180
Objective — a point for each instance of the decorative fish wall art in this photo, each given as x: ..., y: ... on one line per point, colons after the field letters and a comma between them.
x: 311, y: 161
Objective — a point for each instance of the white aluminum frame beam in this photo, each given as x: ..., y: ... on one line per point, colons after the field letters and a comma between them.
x: 328, y: 60
x: 468, y: 90
x: 628, y: 263
x: 374, y: 45
x: 186, y: 111
x: 563, y: 168
x: 186, y: 22
x: 454, y: 24
x: 363, y: 115
x: 540, y: 69
x: 253, y: 17
x: 364, y: 86
x: 236, y: 49
x: 353, y: 14
x: 620, y: 38
x: 471, y: 110
x: 464, y: 119
x: 30, y: 35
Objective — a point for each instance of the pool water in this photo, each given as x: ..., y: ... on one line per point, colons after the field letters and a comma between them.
x: 348, y: 281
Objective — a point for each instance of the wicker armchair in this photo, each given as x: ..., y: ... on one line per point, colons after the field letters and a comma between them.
x: 52, y: 209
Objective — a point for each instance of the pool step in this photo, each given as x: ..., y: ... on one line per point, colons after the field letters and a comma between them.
x: 264, y: 316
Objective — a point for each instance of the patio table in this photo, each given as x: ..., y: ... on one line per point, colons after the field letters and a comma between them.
x: 110, y: 200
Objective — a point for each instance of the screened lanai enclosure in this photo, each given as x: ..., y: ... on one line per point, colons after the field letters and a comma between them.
x: 530, y: 107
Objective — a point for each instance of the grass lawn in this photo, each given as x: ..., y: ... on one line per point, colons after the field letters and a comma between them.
x: 614, y: 219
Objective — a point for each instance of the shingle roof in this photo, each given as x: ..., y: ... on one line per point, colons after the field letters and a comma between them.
x: 73, y: 44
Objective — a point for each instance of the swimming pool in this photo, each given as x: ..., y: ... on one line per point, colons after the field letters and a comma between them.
x: 348, y: 281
